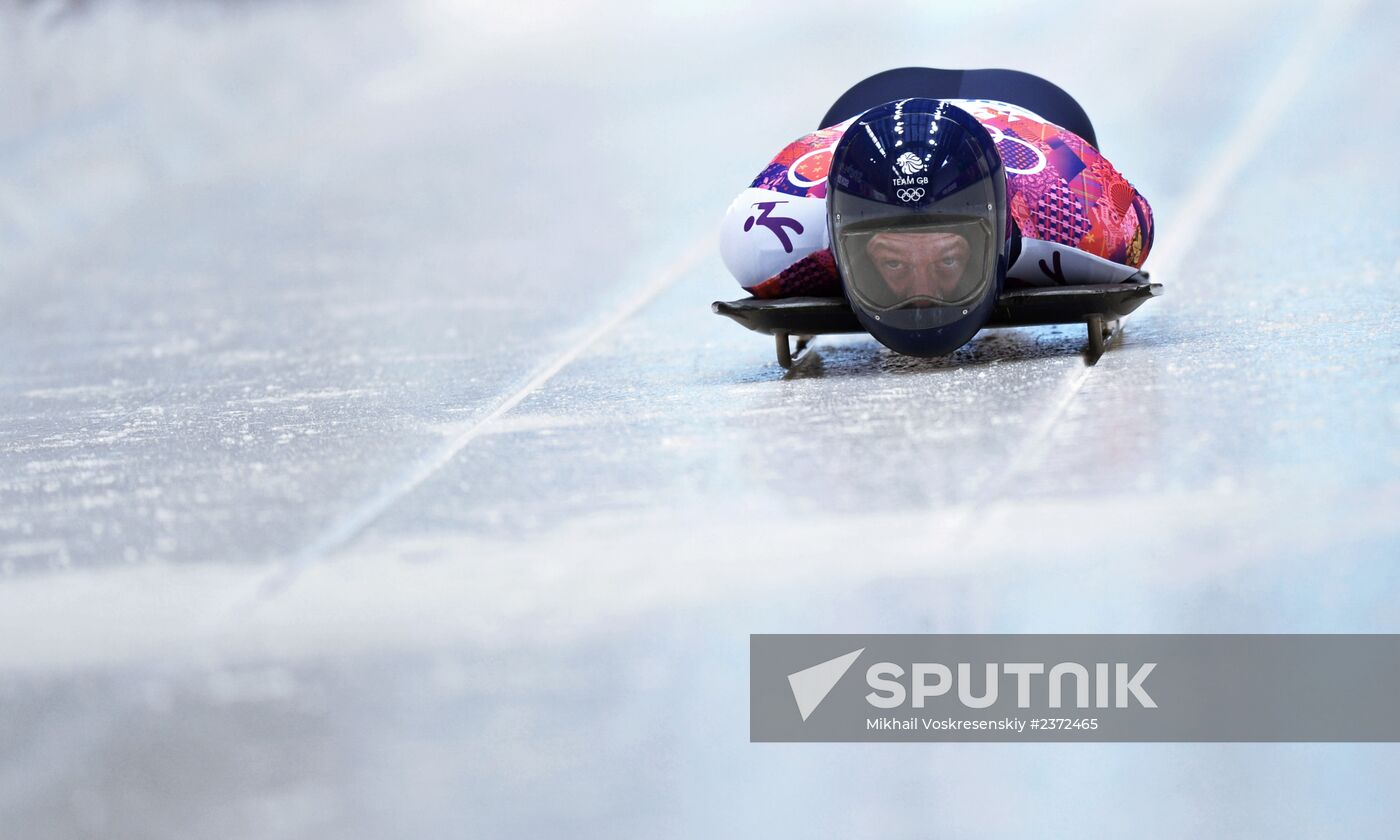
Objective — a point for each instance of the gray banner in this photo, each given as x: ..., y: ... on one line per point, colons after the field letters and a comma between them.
x: 1074, y: 688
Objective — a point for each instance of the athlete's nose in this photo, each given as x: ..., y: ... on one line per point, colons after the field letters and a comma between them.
x: 939, y: 280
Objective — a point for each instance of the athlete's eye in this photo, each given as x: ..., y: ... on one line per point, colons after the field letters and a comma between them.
x: 949, y: 262
x: 893, y: 265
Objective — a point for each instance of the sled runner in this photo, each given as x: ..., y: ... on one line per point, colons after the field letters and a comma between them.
x: 1099, y: 307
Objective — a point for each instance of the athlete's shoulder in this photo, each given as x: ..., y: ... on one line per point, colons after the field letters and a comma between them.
x: 1062, y: 190
x: 775, y: 230
x: 802, y: 165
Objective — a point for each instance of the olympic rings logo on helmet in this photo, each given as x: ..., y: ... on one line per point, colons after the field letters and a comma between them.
x: 910, y: 195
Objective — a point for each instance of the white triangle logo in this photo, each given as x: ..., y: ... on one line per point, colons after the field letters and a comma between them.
x: 811, y: 685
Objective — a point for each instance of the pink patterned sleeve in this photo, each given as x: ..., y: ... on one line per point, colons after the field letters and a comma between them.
x: 1062, y: 190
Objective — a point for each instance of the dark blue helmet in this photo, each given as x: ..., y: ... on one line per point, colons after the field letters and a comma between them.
x: 919, y: 227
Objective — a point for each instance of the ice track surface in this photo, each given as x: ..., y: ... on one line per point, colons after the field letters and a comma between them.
x: 372, y: 466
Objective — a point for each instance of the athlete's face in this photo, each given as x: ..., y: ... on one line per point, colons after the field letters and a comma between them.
x: 914, y: 264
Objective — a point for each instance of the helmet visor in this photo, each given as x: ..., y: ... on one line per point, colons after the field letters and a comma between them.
x: 917, y: 261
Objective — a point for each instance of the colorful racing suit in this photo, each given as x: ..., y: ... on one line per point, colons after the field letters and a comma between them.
x: 1078, y: 220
